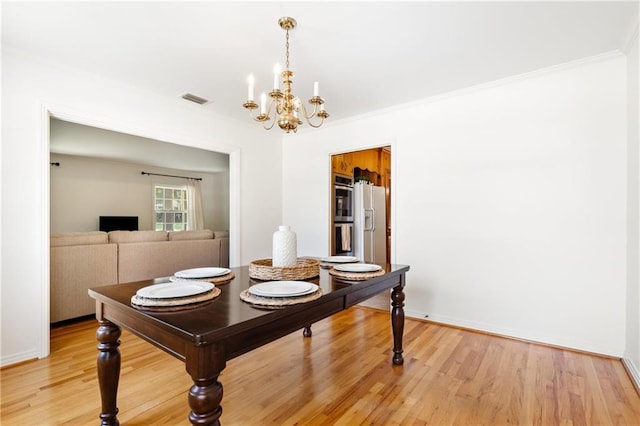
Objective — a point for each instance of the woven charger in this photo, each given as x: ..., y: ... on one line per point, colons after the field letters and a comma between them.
x: 304, y: 269
x: 329, y: 265
x: 222, y: 279
x: 145, y: 302
x: 172, y: 308
x: 277, y: 302
x: 356, y: 276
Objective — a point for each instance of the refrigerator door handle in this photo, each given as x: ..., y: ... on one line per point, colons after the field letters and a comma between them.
x: 373, y: 228
x: 373, y: 220
x: 368, y: 220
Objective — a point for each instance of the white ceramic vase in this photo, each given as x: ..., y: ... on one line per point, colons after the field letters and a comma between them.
x: 285, y: 250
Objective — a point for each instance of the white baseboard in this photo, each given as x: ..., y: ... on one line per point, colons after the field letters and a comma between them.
x: 634, y: 372
x: 558, y: 341
x: 19, y: 357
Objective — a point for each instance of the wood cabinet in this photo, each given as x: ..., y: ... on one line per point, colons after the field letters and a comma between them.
x: 342, y: 164
x: 374, y: 164
x: 367, y: 165
x: 368, y: 160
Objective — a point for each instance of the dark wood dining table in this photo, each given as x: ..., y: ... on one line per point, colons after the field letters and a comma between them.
x: 205, y: 337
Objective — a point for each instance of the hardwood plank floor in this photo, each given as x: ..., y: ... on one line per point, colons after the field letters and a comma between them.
x: 341, y: 376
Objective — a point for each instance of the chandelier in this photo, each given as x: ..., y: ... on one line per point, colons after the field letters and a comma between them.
x: 286, y: 107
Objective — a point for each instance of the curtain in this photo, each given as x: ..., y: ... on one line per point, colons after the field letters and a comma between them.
x: 195, y: 214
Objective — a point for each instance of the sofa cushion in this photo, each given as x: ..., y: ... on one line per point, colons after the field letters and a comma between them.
x: 221, y: 234
x: 143, y: 261
x: 203, y: 234
x: 137, y: 236
x: 74, y: 269
x: 78, y: 239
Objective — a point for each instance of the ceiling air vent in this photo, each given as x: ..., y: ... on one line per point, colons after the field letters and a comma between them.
x: 194, y: 98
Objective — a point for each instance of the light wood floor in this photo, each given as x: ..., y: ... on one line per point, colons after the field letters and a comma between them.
x: 342, y: 375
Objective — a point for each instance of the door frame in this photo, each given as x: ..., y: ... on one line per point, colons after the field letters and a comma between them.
x: 392, y: 145
x: 88, y: 119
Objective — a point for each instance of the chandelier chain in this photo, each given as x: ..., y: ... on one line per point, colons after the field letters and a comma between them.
x: 287, y: 49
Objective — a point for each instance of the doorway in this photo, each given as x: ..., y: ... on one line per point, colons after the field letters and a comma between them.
x: 348, y: 170
x: 370, y: 167
x: 84, y: 143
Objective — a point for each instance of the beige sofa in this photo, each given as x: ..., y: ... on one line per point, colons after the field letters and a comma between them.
x: 83, y: 260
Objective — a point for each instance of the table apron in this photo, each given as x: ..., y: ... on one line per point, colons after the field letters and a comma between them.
x: 235, y: 345
x: 364, y: 294
x: 262, y: 334
x: 157, y: 336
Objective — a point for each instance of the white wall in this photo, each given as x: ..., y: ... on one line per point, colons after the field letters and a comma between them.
x: 509, y: 202
x: 31, y: 89
x: 632, y: 350
x: 82, y: 189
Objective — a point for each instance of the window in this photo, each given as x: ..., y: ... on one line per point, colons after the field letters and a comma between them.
x: 170, y: 208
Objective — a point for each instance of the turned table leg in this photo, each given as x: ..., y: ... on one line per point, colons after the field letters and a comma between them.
x: 397, y: 320
x: 307, y: 331
x: 108, y: 370
x: 204, y: 364
x: 205, y: 397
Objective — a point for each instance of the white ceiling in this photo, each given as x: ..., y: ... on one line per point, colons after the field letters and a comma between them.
x: 86, y: 141
x: 366, y: 55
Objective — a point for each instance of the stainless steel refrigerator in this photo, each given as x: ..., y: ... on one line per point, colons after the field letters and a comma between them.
x: 369, y: 227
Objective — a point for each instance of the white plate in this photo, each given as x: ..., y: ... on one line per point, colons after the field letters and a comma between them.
x: 283, y: 289
x: 357, y: 267
x: 202, y: 273
x: 173, y: 290
x: 340, y: 259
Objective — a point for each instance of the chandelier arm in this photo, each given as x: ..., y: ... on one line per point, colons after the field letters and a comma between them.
x: 273, y: 122
x: 266, y: 117
x: 315, y: 110
x: 308, y: 117
x: 255, y: 118
x: 305, y: 112
x: 271, y: 103
x: 315, y: 125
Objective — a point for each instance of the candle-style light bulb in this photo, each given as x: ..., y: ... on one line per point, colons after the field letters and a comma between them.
x: 276, y: 77
x: 251, y: 81
x: 263, y: 103
x: 316, y: 89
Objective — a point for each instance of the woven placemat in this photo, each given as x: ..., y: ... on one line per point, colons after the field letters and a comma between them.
x: 144, y: 302
x: 277, y: 302
x: 222, y: 279
x: 305, y: 268
x: 172, y: 308
x: 329, y: 265
x: 356, y: 276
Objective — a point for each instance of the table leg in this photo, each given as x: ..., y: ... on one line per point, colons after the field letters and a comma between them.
x: 205, y: 364
x: 108, y: 335
x: 204, y: 399
x: 397, y: 320
x: 307, y: 331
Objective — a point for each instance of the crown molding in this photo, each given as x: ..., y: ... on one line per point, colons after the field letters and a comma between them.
x: 632, y: 40
x: 485, y: 86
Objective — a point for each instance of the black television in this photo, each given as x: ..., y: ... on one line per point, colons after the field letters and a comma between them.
x: 118, y: 223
